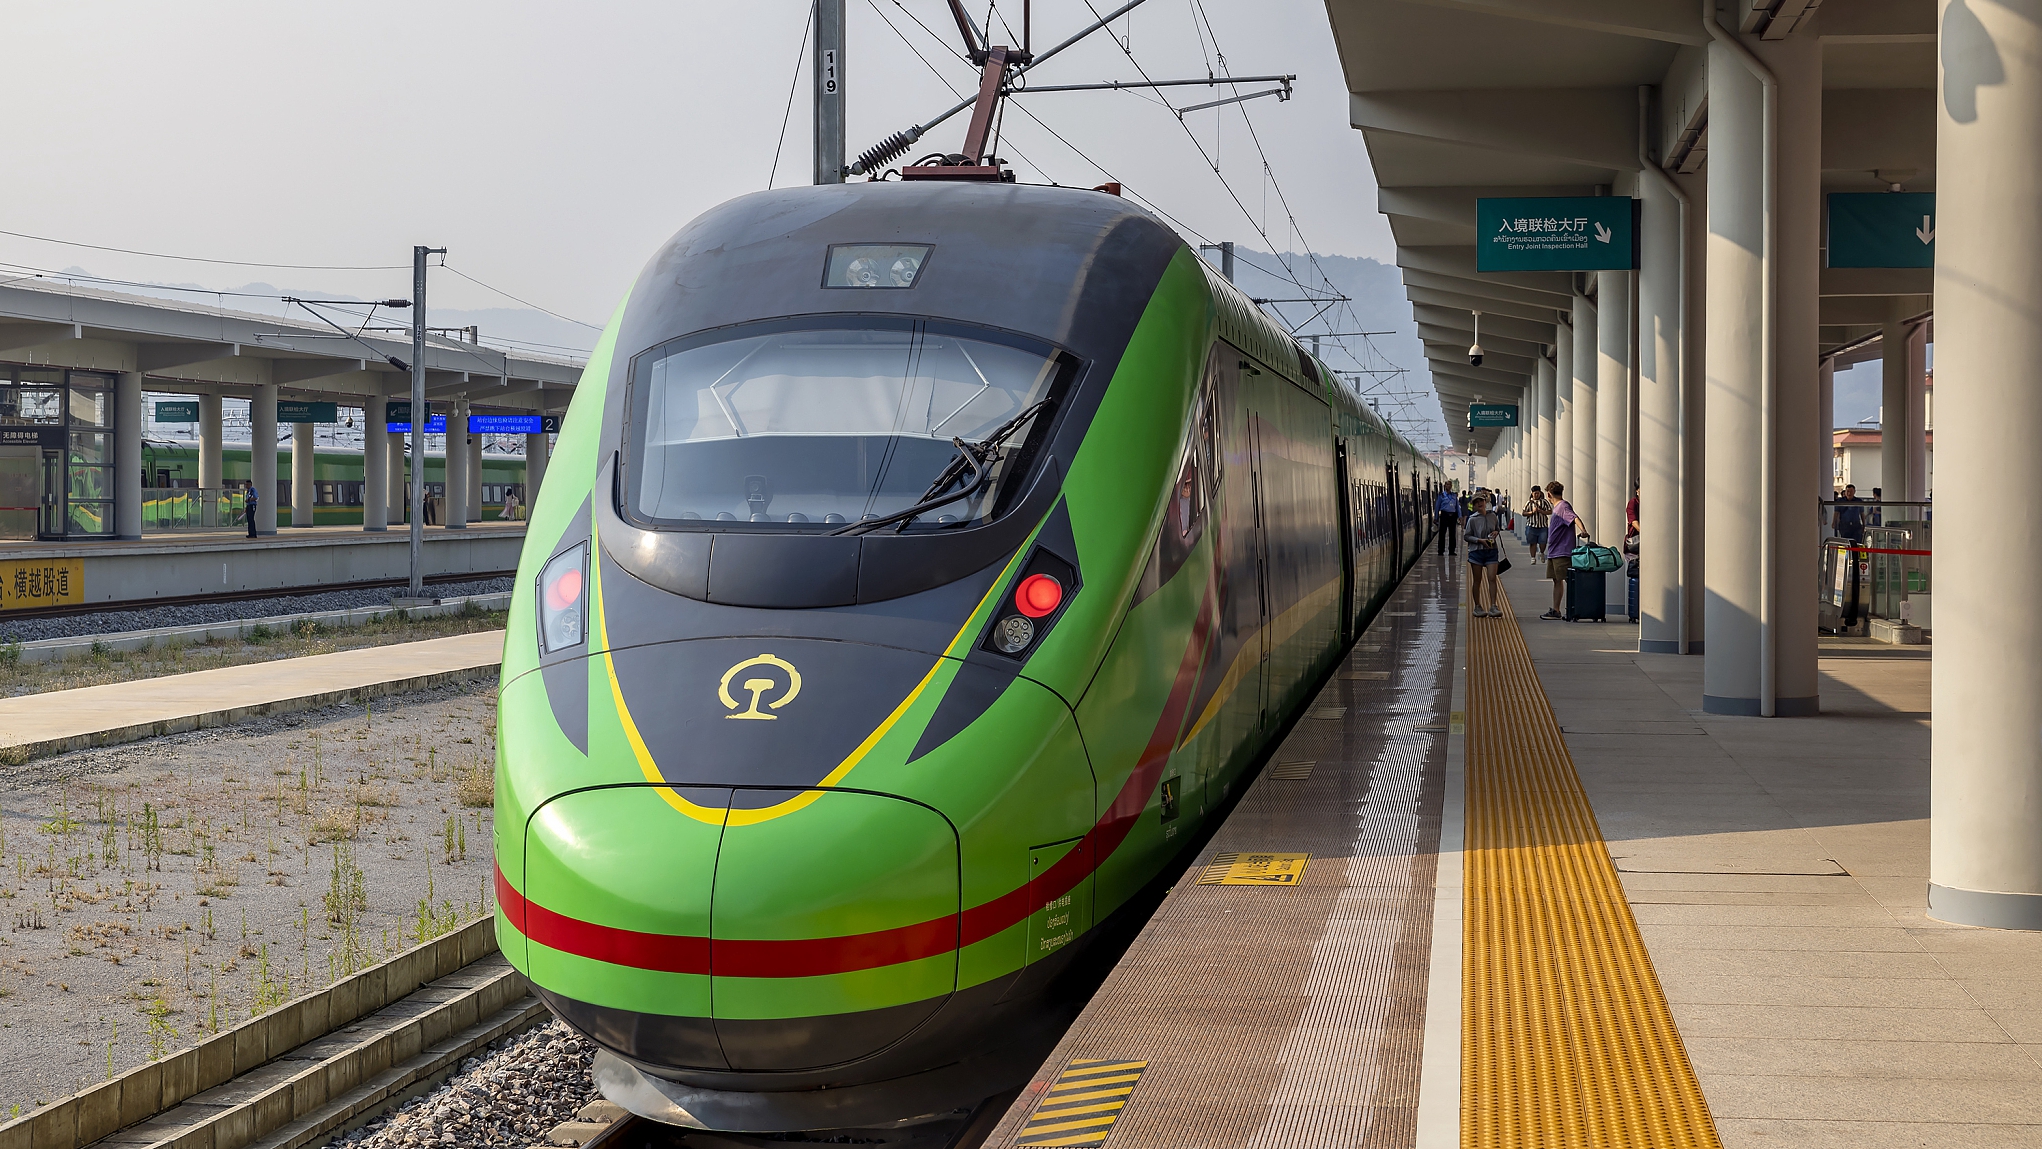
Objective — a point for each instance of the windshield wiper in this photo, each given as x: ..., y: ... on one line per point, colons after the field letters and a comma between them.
x: 975, y: 458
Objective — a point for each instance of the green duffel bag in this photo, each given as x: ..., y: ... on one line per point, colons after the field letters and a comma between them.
x: 1589, y: 557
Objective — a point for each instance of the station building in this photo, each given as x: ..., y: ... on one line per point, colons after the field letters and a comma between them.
x: 75, y: 364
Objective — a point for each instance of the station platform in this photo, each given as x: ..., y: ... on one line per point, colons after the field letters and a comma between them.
x: 34, y: 725
x: 198, y: 564
x: 1551, y: 903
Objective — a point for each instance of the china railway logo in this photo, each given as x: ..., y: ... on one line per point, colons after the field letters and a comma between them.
x: 758, y: 686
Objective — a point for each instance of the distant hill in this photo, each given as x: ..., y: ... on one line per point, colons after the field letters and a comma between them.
x: 1377, y: 303
x: 513, y: 326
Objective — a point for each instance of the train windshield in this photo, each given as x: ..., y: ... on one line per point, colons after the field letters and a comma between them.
x: 809, y: 429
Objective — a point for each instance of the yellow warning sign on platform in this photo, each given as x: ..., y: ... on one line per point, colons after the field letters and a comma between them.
x: 26, y: 583
x: 1254, y: 870
x: 1080, y: 1107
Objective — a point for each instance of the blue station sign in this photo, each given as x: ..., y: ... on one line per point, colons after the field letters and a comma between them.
x: 513, y: 424
x: 1882, y: 229
x: 1556, y: 233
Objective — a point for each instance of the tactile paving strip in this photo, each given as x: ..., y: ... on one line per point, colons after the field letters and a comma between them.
x: 1566, y: 1037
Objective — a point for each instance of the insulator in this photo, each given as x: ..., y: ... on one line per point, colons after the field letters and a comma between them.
x: 885, y: 151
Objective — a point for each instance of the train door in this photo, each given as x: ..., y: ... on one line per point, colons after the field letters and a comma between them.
x: 1263, y: 639
x: 1391, y: 494
x: 1345, y: 512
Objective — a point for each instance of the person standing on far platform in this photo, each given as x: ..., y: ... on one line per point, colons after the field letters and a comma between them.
x: 254, y: 498
x: 1484, y: 553
x: 1447, y: 515
x: 1563, y: 525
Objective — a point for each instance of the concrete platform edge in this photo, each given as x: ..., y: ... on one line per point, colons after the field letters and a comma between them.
x: 228, y: 716
x: 156, y: 1087
x: 1439, y: 1080
x: 51, y: 649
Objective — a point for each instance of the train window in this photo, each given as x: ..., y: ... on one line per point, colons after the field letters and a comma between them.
x: 807, y: 429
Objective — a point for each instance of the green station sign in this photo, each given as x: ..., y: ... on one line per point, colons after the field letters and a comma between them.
x: 1557, y: 233
x: 1492, y: 415
x: 1882, y: 229
x: 307, y: 412
x: 399, y: 411
x: 177, y: 411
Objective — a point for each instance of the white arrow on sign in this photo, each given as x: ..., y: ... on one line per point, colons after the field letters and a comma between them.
x: 1927, y: 231
x: 1602, y: 234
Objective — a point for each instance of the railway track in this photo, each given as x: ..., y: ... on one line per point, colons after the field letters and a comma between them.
x: 603, y: 1125
x: 311, y: 1068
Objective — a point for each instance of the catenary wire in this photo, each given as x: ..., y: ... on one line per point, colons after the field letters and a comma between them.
x: 445, y: 266
x: 203, y: 259
x: 800, y: 54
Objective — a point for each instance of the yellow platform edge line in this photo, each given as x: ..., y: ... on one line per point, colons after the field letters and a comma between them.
x: 1567, y: 1039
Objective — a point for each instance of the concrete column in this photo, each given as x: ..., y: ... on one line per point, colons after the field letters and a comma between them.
x: 1613, y: 420
x: 400, y: 502
x: 210, y: 475
x: 1541, y: 457
x: 127, y: 456
x: 1917, y: 400
x: 1583, y: 492
x: 1825, y: 438
x: 1563, y: 409
x: 536, y: 449
x: 1897, y: 432
x: 1735, y: 356
x: 303, y: 448
x: 1985, y: 766
x: 1694, y: 426
x: 375, y: 464
x: 1761, y: 542
x: 474, y: 477
x: 1797, y: 561
x: 455, y: 509
x: 1659, y: 423
x: 262, y: 455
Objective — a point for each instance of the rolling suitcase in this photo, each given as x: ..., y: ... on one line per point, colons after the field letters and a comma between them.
x: 1585, y: 591
x: 1631, y: 599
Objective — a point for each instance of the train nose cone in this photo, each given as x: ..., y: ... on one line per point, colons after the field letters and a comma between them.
x: 615, y: 909
x: 834, y: 927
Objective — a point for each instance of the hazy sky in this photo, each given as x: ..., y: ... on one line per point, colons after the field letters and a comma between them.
x: 551, y: 146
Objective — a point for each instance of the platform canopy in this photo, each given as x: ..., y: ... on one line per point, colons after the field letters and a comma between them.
x: 191, y: 348
x: 1459, y: 100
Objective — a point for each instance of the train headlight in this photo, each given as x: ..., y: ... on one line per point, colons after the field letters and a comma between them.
x: 563, y: 600
x: 1013, y: 634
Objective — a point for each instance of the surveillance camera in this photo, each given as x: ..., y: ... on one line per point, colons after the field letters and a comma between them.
x: 1475, y: 355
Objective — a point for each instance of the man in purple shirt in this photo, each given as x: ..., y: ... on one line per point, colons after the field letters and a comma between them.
x: 1562, y: 528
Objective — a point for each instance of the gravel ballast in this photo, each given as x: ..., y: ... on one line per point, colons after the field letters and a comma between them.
x: 513, y: 1094
x: 195, y: 613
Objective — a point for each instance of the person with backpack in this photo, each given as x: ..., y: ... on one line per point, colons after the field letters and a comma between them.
x: 254, y: 498
x: 1563, y: 529
x: 1447, y: 515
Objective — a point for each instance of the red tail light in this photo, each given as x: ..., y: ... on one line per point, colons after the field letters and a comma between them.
x: 1038, y: 596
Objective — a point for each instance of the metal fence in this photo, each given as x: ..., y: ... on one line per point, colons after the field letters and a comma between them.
x: 1877, y: 564
x: 192, y: 509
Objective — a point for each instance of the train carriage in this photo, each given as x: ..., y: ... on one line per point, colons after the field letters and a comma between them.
x: 921, y: 568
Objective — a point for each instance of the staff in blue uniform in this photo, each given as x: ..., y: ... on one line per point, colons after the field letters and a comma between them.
x: 1447, y: 515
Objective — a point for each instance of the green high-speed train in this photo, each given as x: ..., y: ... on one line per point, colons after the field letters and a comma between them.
x: 922, y: 566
